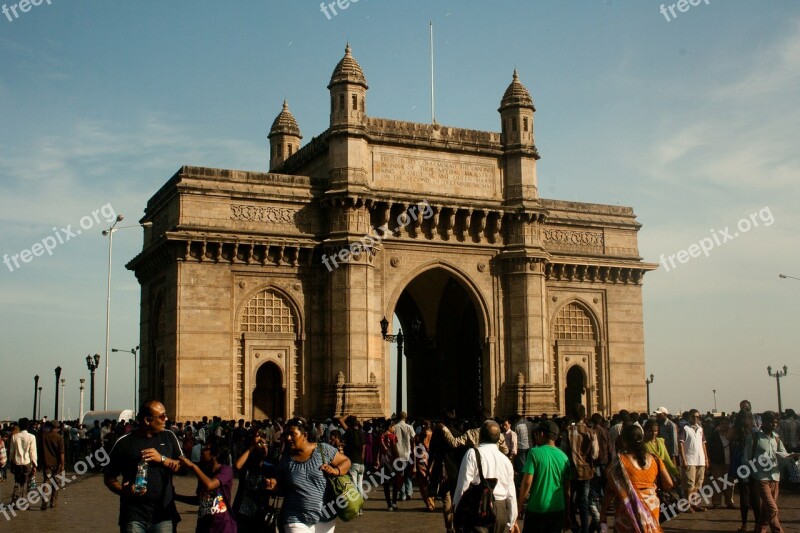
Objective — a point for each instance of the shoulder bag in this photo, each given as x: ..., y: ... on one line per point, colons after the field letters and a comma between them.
x: 476, y: 507
x: 349, y: 500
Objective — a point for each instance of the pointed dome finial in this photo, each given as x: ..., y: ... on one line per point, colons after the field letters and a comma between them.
x: 285, y: 123
x: 348, y: 70
x: 516, y: 94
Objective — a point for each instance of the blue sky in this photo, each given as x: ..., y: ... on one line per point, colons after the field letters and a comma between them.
x: 693, y: 122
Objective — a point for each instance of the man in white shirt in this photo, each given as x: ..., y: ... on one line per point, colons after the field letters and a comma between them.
x: 694, y: 458
x: 405, y: 444
x: 23, y: 455
x: 495, y: 465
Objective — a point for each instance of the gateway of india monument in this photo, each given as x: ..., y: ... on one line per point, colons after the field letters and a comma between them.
x: 263, y: 294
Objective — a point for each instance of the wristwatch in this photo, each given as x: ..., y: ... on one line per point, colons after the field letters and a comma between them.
x: 163, y: 458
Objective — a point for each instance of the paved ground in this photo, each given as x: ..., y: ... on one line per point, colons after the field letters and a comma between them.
x: 86, y: 505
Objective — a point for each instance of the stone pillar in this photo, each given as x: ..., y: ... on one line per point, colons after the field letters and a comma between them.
x: 354, y: 312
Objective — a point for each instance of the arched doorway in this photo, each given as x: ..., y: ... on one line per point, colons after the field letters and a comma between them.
x: 443, y: 346
x: 578, y: 358
x: 269, y: 396
x: 574, y: 391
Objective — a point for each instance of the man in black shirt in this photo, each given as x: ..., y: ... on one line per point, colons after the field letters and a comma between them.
x: 153, y: 510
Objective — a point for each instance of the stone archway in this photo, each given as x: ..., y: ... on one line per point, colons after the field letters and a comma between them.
x: 269, y: 395
x: 574, y: 392
x: 445, y: 356
x: 578, y: 349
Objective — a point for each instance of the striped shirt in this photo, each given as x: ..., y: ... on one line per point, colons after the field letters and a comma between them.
x: 304, y: 485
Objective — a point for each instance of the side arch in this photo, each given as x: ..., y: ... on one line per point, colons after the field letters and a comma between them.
x: 268, y: 329
x: 578, y: 339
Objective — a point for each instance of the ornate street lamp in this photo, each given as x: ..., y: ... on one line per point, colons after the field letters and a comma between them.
x: 649, y: 381
x: 399, y: 340
x: 92, y: 364
x: 778, y: 375
x: 35, y: 393
x: 58, y: 377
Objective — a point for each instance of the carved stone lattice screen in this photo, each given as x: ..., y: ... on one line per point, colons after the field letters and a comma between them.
x: 574, y: 324
x: 267, y: 312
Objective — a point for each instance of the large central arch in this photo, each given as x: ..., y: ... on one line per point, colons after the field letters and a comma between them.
x: 443, y: 320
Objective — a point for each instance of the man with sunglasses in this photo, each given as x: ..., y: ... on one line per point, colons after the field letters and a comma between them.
x: 152, y: 510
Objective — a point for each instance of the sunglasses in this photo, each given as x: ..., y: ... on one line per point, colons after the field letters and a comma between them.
x: 161, y: 417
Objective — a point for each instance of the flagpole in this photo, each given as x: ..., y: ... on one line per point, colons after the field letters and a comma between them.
x: 433, y: 101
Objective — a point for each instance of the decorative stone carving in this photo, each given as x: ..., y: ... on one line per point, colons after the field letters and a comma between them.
x: 573, y: 238
x: 395, y: 262
x: 274, y: 215
x: 481, y: 267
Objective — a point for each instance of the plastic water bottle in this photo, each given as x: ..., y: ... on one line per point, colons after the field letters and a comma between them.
x: 33, y: 485
x: 140, y: 485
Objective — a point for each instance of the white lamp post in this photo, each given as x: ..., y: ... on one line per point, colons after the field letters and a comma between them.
x: 63, y: 398
x: 80, y: 409
x: 110, y: 234
x: 134, y: 351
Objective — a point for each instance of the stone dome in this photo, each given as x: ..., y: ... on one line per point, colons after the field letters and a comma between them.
x: 348, y: 71
x: 285, y: 123
x: 516, y: 95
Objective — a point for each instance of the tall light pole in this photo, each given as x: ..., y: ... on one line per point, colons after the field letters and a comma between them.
x: 80, y: 409
x: 40, y: 403
x: 134, y: 351
x: 92, y: 363
x: 63, y: 398
x: 649, y: 381
x: 110, y: 234
x: 399, y: 340
x: 35, y: 393
x: 715, y: 399
x: 778, y: 375
x: 58, y: 377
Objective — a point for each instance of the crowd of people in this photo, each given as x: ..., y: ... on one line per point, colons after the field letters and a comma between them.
x: 546, y: 473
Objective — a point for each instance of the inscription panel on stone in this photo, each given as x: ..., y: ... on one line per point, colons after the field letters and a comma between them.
x: 455, y: 176
x: 302, y: 219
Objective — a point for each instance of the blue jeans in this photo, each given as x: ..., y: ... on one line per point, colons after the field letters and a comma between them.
x: 581, y: 489
x: 357, y: 475
x: 143, y: 527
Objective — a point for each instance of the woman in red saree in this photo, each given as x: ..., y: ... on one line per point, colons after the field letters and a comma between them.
x: 632, y: 485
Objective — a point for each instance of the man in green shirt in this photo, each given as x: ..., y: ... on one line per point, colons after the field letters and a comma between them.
x: 546, y: 476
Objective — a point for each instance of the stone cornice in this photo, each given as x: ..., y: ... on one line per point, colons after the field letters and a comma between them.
x: 624, y: 273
